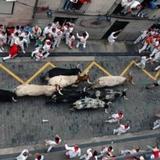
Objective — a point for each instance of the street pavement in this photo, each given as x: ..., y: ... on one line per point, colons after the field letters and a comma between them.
x: 93, y: 47
x: 21, y: 122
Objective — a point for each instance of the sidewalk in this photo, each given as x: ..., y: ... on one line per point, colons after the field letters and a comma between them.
x: 141, y: 139
x: 96, y: 48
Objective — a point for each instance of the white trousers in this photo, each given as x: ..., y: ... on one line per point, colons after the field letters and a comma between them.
x: 81, y: 43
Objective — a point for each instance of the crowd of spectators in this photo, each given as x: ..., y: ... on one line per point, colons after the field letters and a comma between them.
x: 105, y: 153
x: 150, y: 41
x: 136, y: 7
x: 45, y: 40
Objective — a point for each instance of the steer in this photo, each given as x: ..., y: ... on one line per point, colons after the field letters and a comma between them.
x: 107, y: 95
x: 69, y: 96
x: 7, y: 96
x: 111, y: 81
x: 60, y: 71
x: 65, y: 81
x: 89, y: 103
x: 36, y: 90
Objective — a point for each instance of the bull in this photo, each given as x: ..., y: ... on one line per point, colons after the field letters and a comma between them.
x: 108, y: 95
x: 111, y: 81
x: 60, y: 71
x: 36, y: 90
x: 65, y: 81
x: 71, y: 95
x: 7, y: 96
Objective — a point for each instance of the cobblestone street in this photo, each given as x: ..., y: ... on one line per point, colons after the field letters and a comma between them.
x: 21, y: 122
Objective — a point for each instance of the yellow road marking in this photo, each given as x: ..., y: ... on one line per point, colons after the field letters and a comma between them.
x: 127, y: 68
x: 92, y: 64
x: 86, y: 70
x: 157, y: 75
x: 11, y: 73
x: 102, y: 69
x: 35, y: 75
x: 148, y: 74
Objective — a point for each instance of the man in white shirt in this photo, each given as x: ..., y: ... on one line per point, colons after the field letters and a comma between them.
x: 72, y: 152
x: 82, y: 39
x: 121, y: 129
x: 112, y: 37
x: 24, y: 155
x: 88, y: 155
x: 141, y: 37
x: 142, y: 63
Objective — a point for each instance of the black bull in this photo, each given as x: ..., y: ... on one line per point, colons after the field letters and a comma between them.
x: 7, y: 96
x: 71, y: 95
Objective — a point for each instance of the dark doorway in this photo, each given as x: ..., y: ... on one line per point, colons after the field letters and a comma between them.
x: 64, y: 19
x: 118, y: 25
x: 118, y: 9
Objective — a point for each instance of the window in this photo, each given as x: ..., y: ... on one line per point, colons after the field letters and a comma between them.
x: 6, y: 7
x: 117, y: 26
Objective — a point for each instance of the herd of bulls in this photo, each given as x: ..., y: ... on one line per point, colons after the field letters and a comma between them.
x: 62, y: 86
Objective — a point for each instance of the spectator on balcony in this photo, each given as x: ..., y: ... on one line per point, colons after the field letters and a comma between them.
x: 130, y: 6
x: 69, y: 4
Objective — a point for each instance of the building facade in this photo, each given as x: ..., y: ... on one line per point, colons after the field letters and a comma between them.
x: 99, y: 18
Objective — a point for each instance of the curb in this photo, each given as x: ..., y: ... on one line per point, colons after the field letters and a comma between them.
x: 83, y: 143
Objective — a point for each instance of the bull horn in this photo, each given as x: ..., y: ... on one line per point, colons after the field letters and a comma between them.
x: 125, y: 97
x: 53, y: 96
x: 58, y: 88
x: 59, y: 91
x: 84, y: 89
x: 89, y: 82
